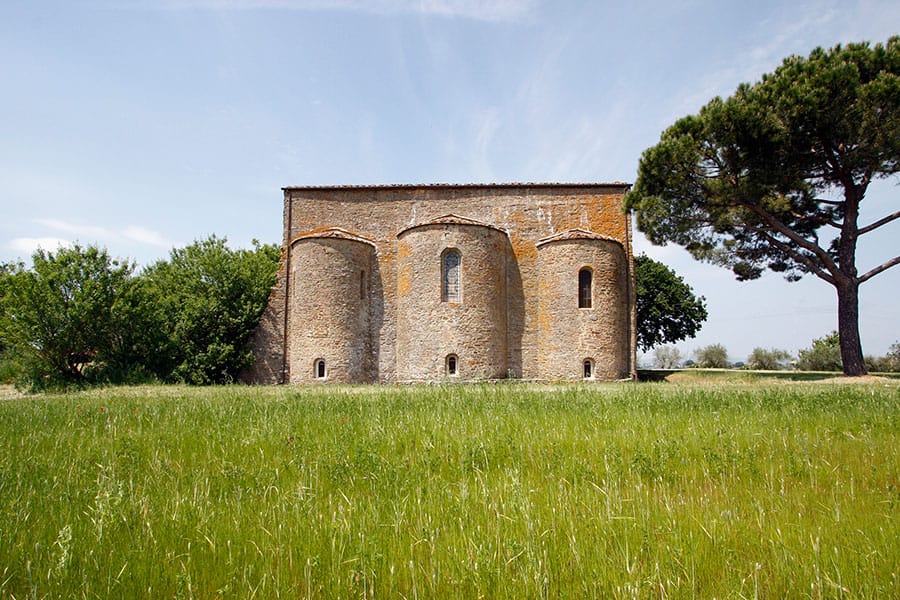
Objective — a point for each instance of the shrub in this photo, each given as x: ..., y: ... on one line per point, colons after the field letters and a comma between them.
x: 823, y: 355
x: 209, y: 299
x: 768, y: 360
x: 714, y: 356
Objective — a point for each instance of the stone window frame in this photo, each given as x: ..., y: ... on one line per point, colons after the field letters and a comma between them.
x: 320, y: 369
x: 588, y: 372
x: 451, y: 365
x: 585, y: 287
x: 451, y: 291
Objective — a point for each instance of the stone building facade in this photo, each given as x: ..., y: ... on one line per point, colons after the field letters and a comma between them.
x: 451, y: 282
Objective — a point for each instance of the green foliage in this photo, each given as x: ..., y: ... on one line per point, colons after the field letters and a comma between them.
x: 889, y: 363
x: 823, y: 355
x: 77, y: 317
x: 497, y: 491
x: 61, y: 320
x: 7, y: 368
x: 667, y: 309
x: 7, y: 270
x: 773, y: 176
x: 208, y: 300
x: 725, y: 182
x: 768, y: 360
x: 714, y: 356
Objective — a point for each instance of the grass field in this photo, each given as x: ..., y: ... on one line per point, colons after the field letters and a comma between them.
x: 669, y: 490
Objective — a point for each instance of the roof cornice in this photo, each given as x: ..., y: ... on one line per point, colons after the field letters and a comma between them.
x: 414, y: 186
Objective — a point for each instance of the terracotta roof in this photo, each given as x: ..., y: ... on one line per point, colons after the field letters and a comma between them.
x: 576, y: 234
x: 334, y: 233
x: 407, y: 186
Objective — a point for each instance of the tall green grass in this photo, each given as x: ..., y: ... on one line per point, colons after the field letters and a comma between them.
x: 497, y: 491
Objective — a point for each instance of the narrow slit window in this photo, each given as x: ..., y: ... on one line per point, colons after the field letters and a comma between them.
x: 320, y: 369
x: 452, y: 361
x: 362, y: 285
x: 450, y: 276
x: 584, y: 288
x: 588, y: 368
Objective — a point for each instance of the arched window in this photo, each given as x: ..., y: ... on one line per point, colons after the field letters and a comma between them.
x: 319, y: 368
x: 450, y: 276
x: 588, y: 368
x: 452, y: 365
x: 584, y: 288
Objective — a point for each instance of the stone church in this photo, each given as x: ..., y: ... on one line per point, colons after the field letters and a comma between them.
x: 395, y: 283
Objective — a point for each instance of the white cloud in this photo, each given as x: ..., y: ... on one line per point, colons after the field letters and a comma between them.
x: 76, y: 229
x: 26, y: 246
x: 104, y: 235
x: 147, y: 236
x: 479, y: 10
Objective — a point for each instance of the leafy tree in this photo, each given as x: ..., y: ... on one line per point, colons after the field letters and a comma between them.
x: 61, y: 318
x: 823, y: 355
x: 208, y: 299
x: 773, y: 177
x: 667, y: 357
x: 7, y: 368
x: 6, y: 271
x: 667, y: 309
x: 714, y: 356
x: 768, y: 360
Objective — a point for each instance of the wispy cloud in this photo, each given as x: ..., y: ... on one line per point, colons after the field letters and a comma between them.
x: 26, y: 246
x: 479, y: 10
x: 78, y: 230
x: 96, y: 234
x: 147, y: 236
x: 783, y: 38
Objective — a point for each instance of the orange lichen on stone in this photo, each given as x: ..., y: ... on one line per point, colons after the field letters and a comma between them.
x: 404, y: 282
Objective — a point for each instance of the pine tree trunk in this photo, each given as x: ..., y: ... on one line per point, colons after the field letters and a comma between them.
x: 848, y: 329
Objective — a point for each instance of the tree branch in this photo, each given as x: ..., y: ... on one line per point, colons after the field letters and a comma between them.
x: 878, y: 223
x: 829, y: 202
x: 817, y: 219
x: 805, y: 260
x: 882, y: 267
x: 795, y: 237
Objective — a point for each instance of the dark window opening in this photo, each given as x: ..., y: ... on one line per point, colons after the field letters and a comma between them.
x: 450, y: 276
x: 320, y: 369
x: 588, y: 369
x: 362, y: 285
x: 584, y: 288
x: 451, y: 364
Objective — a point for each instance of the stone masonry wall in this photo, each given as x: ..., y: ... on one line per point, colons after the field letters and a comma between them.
x: 329, y: 313
x: 473, y: 329
x: 526, y: 212
x: 569, y: 334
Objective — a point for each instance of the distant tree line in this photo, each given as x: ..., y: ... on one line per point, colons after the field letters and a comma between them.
x: 824, y: 354
x: 78, y: 317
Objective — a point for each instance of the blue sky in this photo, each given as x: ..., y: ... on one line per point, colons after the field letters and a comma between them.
x: 140, y: 125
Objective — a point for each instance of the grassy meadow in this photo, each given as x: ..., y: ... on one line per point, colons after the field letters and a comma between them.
x: 653, y: 490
